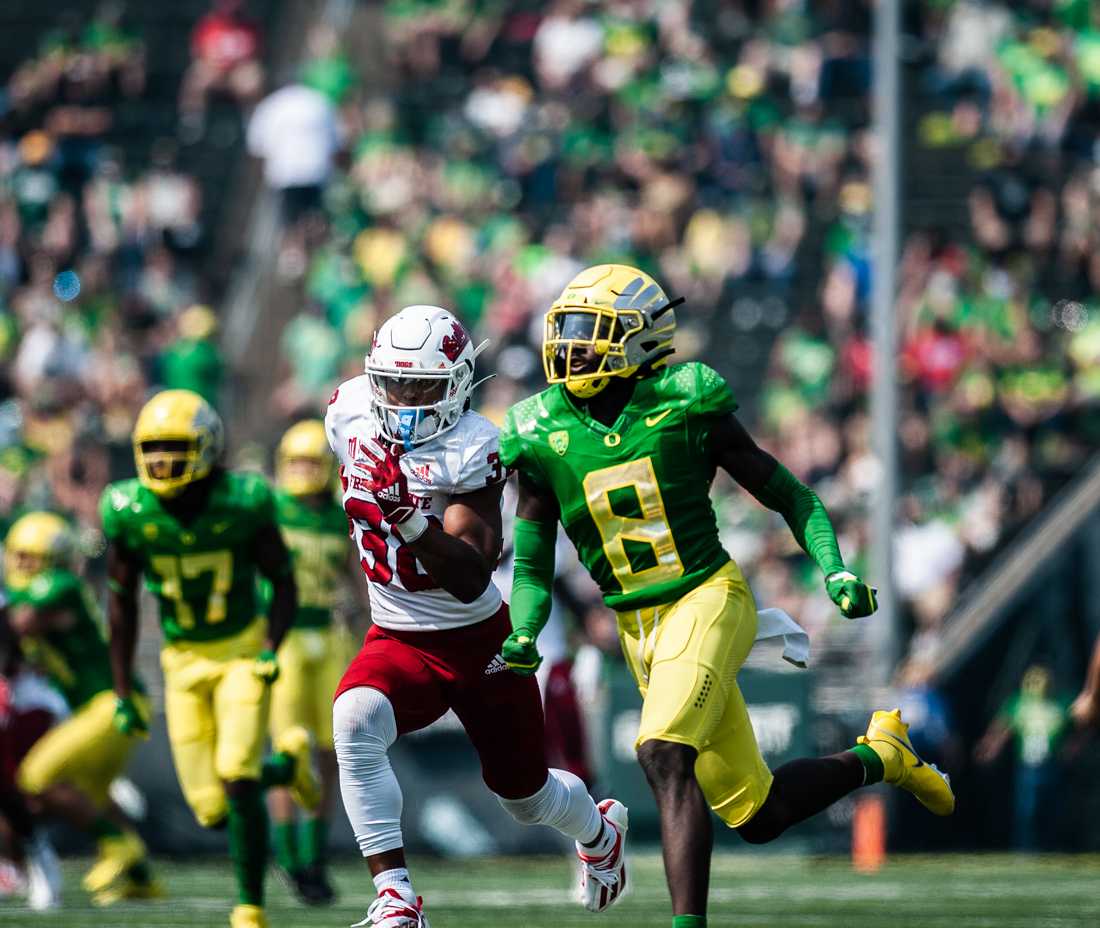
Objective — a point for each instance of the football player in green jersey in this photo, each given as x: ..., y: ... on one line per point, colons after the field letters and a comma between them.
x: 315, y: 651
x: 69, y: 771
x: 621, y: 449
x: 199, y: 534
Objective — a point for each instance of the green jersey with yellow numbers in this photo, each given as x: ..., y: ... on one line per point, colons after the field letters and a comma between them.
x: 203, y: 572
x: 634, y: 496
x: 75, y: 656
x: 317, y: 538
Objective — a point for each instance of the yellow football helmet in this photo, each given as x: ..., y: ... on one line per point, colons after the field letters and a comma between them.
x: 36, y: 542
x: 611, y: 314
x: 178, y: 438
x: 303, y: 461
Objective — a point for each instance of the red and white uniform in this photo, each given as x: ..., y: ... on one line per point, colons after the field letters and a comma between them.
x: 464, y: 459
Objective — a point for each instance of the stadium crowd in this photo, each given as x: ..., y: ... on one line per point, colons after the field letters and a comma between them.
x: 733, y: 161
x: 512, y: 148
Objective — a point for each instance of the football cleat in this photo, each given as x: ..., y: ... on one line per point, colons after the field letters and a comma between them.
x: 116, y: 856
x: 43, y: 875
x: 888, y: 736
x: 392, y: 910
x: 304, y: 788
x: 603, y: 879
x: 130, y: 890
x: 247, y: 916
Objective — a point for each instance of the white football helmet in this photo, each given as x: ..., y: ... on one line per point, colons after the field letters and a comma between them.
x: 421, y: 370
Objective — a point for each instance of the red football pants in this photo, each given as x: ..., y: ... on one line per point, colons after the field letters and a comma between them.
x: 423, y: 674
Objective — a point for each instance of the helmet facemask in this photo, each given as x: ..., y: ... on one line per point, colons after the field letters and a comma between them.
x: 166, y: 466
x: 412, y: 407
x: 610, y: 321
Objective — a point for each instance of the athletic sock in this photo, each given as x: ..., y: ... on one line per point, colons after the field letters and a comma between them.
x: 278, y: 770
x: 397, y: 879
x: 248, y: 843
x: 689, y: 921
x: 603, y: 843
x: 285, y: 835
x: 314, y: 835
x: 105, y: 828
x: 873, y: 771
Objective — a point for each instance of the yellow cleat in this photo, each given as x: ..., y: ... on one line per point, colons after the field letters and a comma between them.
x: 131, y: 889
x: 247, y: 916
x: 116, y: 856
x: 305, y: 788
x: 888, y: 737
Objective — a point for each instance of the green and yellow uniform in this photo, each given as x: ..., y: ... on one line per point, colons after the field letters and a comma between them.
x: 86, y: 749
x: 634, y: 500
x: 314, y: 653
x: 203, y: 574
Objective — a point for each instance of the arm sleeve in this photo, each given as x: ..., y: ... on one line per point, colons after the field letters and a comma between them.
x: 805, y: 514
x: 533, y: 577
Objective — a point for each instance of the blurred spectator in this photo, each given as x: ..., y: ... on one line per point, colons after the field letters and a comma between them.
x: 225, y: 58
x: 192, y: 361
x: 296, y: 132
x: 1035, y: 721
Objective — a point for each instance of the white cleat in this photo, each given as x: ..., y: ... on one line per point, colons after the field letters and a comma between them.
x: 603, y: 879
x: 43, y: 875
x: 392, y: 910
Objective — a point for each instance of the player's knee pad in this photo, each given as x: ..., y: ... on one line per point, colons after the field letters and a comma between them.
x: 363, y: 725
x: 562, y: 803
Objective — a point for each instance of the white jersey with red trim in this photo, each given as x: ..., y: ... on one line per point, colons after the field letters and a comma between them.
x: 466, y: 458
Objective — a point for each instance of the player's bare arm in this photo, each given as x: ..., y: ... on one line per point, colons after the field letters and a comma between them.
x: 462, y: 555
x: 1086, y: 707
x: 273, y: 560
x: 735, y: 451
x: 30, y: 621
x: 123, y: 574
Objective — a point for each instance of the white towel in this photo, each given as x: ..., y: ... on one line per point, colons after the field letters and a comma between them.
x: 775, y: 623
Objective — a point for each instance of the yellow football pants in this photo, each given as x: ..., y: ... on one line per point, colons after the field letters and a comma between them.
x: 86, y: 750
x: 311, y: 663
x: 217, y: 712
x: 685, y: 657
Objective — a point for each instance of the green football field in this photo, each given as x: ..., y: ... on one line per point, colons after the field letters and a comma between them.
x: 747, y: 890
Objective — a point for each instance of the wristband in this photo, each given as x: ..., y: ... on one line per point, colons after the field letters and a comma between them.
x: 413, y: 527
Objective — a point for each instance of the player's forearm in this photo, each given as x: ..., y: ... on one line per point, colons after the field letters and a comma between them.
x: 1092, y: 678
x: 805, y: 515
x: 284, y: 604
x: 533, y: 576
x: 123, y: 624
x: 456, y: 565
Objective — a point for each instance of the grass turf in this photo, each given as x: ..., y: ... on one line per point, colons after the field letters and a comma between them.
x: 749, y: 891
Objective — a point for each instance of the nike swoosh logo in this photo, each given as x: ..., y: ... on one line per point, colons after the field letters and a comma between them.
x: 653, y: 420
x: 902, y: 744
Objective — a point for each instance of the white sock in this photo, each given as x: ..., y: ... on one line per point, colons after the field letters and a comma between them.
x: 563, y: 803
x: 602, y: 846
x: 364, y: 727
x: 397, y: 879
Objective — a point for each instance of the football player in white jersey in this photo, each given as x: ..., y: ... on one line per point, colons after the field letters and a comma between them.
x: 422, y: 485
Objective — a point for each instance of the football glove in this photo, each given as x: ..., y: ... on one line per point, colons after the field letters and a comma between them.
x: 390, y: 488
x: 129, y: 719
x: 521, y: 654
x: 266, y: 666
x: 853, y: 597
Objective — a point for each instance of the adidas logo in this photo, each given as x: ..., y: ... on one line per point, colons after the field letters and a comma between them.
x: 496, y: 665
